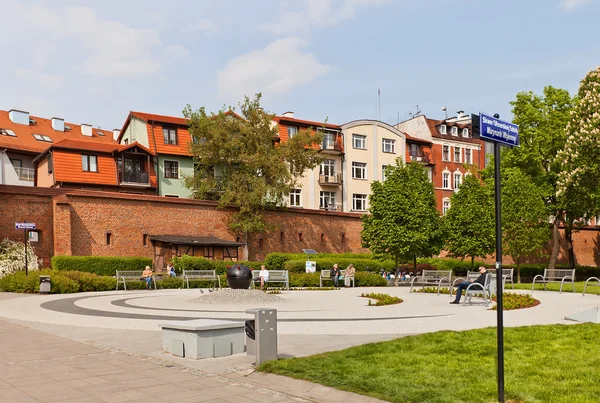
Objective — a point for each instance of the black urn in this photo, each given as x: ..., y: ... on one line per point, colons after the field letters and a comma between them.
x: 239, y: 277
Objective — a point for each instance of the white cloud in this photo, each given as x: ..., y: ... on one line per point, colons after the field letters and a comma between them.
x: 316, y: 13
x: 571, y: 4
x: 203, y: 25
x: 274, y: 70
x: 82, y: 40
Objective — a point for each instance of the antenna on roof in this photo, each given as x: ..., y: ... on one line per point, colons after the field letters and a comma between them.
x: 379, y: 102
x: 417, y: 113
x: 445, y: 111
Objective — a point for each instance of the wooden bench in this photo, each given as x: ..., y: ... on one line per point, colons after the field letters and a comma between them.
x: 131, y: 275
x: 343, y: 273
x: 556, y: 276
x: 210, y: 275
x: 275, y: 276
x: 433, y: 278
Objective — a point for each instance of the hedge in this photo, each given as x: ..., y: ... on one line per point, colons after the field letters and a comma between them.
x: 186, y: 262
x: 101, y: 265
x: 299, y: 266
x: 277, y: 260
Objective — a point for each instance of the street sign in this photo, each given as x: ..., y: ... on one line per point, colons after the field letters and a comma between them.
x: 499, y: 131
x: 24, y: 225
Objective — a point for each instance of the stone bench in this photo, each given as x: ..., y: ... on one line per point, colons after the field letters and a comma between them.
x: 203, y: 338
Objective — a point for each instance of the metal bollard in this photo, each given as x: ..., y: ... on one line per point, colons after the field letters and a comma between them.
x: 264, y: 344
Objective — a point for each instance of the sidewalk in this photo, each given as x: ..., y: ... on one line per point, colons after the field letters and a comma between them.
x: 41, y: 367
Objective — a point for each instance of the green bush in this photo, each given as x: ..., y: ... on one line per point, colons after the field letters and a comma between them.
x: 458, y: 267
x: 186, y: 262
x: 363, y: 279
x: 299, y: 266
x: 276, y: 261
x: 382, y: 299
x: 100, y: 265
x: 63, y: 282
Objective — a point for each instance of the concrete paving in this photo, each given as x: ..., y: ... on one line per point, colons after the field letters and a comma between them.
x: 108, y: 346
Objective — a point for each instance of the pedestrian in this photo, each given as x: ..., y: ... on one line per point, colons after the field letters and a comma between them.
x: 147, y: 275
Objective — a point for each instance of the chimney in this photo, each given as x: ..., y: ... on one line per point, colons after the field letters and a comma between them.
x: 58, y: 124
x: 116, y: 133
x: 460, y: 114
x: 19, y: 117
x: 288, y: 114
x: 86, y: 130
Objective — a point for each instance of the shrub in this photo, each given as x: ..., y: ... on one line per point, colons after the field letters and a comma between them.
x: 458, y: 267
x: 100, y: 265
x: 382, y: 299
x: 299, y: 266
x: 12, y: 257
x: 276, y: 261
x: 512, y: 301
x: 186, y: 262
x: 363, y: 279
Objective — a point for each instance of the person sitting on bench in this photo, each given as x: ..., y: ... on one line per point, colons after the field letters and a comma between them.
x: 463, y: 286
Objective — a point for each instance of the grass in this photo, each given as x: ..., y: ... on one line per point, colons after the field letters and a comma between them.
x: 567, y: 287
x: 554, y: 363
x: 382, y: 299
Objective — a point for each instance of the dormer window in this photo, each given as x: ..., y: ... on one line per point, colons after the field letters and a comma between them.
x: 41, y: 137
x: 454, y: 131
x: 443, y: 129
x: 465, y: 132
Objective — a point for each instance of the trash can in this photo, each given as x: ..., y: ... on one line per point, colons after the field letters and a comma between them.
x: 264, y: 330
x: 45, y: 285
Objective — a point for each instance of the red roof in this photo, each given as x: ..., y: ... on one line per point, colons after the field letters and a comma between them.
x: 306, y: 123
x: 150, y: 117
x: 25, y: 141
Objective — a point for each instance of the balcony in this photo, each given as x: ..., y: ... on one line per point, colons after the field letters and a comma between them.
x: 331, y: 147
x: 134, y: 177
x: 25, y: 174
x: 421, y: 157
x: 331, y: 207
x: 331, y: 180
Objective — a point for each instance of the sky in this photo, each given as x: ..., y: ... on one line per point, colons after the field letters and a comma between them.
x: 93, y: 62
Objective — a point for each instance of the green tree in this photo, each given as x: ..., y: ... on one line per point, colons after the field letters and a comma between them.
x: 403, y: 223
x: 240, y: 162
x: 525, y: 228
x: 470, y: 220
x: 542, y: 121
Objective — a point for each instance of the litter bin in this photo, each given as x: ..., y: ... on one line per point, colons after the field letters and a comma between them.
x: 45, y: 285
x: 264, y: 329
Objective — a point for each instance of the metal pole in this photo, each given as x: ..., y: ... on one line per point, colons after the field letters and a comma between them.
x: 25, y: 240
x: 499, y: 290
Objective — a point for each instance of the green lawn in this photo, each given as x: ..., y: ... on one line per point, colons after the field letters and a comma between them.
x: 567, y: 287
x: 555, y: 363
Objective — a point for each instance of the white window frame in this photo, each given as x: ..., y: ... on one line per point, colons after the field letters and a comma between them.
x: 328, y: 196
x: 165, y: 169
x: 446, y: 180
x: 88, y: 162
x: 445, y: 205
x: 443, y: 129
x: 390, y: 144
x: 359, y: 202
x: 329, y: 166
x: 470, y: 154
x: 465, y: 132
x: 454, y: 131
x: 292, y: 131
x: 383, y: 167
x: 457, y: 175
x: 295, y: 198
x: 459, y: 154
x: 359, y: 170
x: 359, y: 141
x: 445, y: 156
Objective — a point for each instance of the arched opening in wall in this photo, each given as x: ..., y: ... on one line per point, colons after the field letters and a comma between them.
x: 281, y: 237
x: 108, y: 238
x: 260, y: 243
x: 343, y: 239
x: 322, y: 238
x: 300, y: 237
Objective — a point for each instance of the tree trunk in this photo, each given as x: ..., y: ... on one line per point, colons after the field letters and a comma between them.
x: 570, y: 250
x: 397, y: 270
x: 245, y: 252
x: 518, y: 270
x: 415, y: 264
x: 472, y: 262
x: 555, y: 242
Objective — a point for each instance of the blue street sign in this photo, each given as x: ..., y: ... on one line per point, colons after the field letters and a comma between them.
x: 24, y: 225
x: 499, y: 131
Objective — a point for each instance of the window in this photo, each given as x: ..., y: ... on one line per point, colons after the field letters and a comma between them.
x: 261, y: 243
x: 465, y: 132
x: 300, y: 237
x: 295, y: 198
x: 322, y: 238
x: 389, y: 146
x: 170, y: 135
x: 343, y: 239
x: 383, y: 167
x: 445, y: 153
x: 89, y: 163
x: 171, y: 169
x: 359, y: 202
x: 359, y: 170
x: 445, y: 205
x: 327, y: 200
x: 34, y: 236
x: 16, y: 163
x: 328, y: 167
x: 108, y: 238
x: 292, y: 131
x: 173, y: 196
x: 457, y: 154
x: 443, y: 129
x: 359, y: 141
x: 430, y: 174
x: 468, y: 155
x: 454, y: 131
x: 281, y: 236
x: 144, y: 239
x: 328, y: 140
x: 50, y: 164
x: 41, y: 137
x: 7, y: 132
x: 457, y: 180
x: 446, y: 180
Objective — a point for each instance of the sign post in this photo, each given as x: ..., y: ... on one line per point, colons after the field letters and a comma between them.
x: 25, y: 226
x: 499, y: 132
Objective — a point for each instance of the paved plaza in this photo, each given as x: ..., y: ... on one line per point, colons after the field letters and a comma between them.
x: 107, y: 346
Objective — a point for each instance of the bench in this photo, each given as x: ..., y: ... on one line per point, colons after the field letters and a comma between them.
x: 555, y: 276
x: 433, y: 278
x: 275, y: 276
x: 131, y: 275
x: 201, y: 275
x: 473, y: 275
x: 476, y: 289
x: 587, y: 281
x: 508, y: 277
x: 203, y: 338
